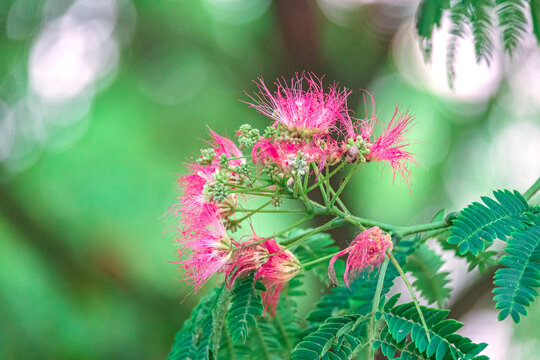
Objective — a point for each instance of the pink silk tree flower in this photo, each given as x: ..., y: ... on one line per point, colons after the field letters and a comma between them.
x: 205, y: 253
x: 365, y: 252
x: 280, y: 268
x: 307, y: 111
x: 196, y: 201
x: 390, y: 146
x: 248, y: 256
x: 289, y: 159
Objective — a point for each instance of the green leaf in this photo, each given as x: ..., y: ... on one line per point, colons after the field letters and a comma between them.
x: 513, y: 22
x: 478, y: 223
x: 336, y: 336
x: 515, y: 282
x: 482, y: 25
x: 246, y: 304
x: 429, y: 16
x: 535, y: 17
x: 358, y: 298
x: 424, y: 264
x: 404, y: 333
x: 199, y: 337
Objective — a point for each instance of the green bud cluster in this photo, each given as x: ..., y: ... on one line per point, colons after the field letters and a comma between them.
x: 270, y: 132
x: 207, y: 156
x: 271, y: 170
x: 276, y: 201
x: 298, y: 164
x: 357, y: 148
x: 223, y: 162
x: 248, y: 136
x: 218, y: 190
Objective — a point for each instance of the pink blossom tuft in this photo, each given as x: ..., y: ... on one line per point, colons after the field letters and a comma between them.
x: 366, y: 251
x: 249, y: 256
x: 299, y: 109
x: 206, y: 253
x: 280, y: 268
x: 390, y: 146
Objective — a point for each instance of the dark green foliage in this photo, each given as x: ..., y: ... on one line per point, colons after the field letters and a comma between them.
x: 535, y: 17
x: 286, y: 322
x: 246, y: 304
x: 478, y: 223
x: 428, y: 16
x: 335, y: 339
x: 197, y: 338
x: 482, y: 26
x: 484, y: 259
x: 459, y: 14
x: 515, y: 282
x: 425, y: 264
x: 312, y: 248
x: 477, y: 19
x: 356, y: 299
x: 404, y: 331
x: 512, y: 21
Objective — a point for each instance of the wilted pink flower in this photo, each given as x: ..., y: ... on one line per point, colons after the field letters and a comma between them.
x: 249, y: 256
x: 366, y: 251
x: 312, y: 110
x: 281, y: 267
x: 205, y: 253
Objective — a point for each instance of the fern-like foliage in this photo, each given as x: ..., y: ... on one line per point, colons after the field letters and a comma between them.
x: 335, y: 339
x: 246, y: 305
x: 428, y: 17
x: 459, y: 14
x: 482, y: 28
x: 535, y: 18
x: 199, y: 337
x: 404, y: 333
x: 478, y: 224
x: 358, y: 298
x: 425, y: 264
x: 512, y: 20
x: 515, y: 282
x: 478, y: 19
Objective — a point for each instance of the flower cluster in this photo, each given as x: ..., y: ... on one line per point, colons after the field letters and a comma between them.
x: 317, y: 127
x: 311, y: 129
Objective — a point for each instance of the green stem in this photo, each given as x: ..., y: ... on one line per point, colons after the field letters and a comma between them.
x: 252, y: 211
x: 264, y: 347
x: 316, y: 261
x: 301, y: 188
x: 344, y: 183
x: 413, y: 295
x: 339, y: 167
x: 375, y: 307
x: 408, y: 230
x: 293, y: 226
x: 321, y: 187
x: 532, y: 190
x: 338, y: 200
x: 299, y: 211
x: 336, y: 222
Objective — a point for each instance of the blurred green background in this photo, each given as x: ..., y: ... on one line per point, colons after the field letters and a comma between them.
x: 102, y: 101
